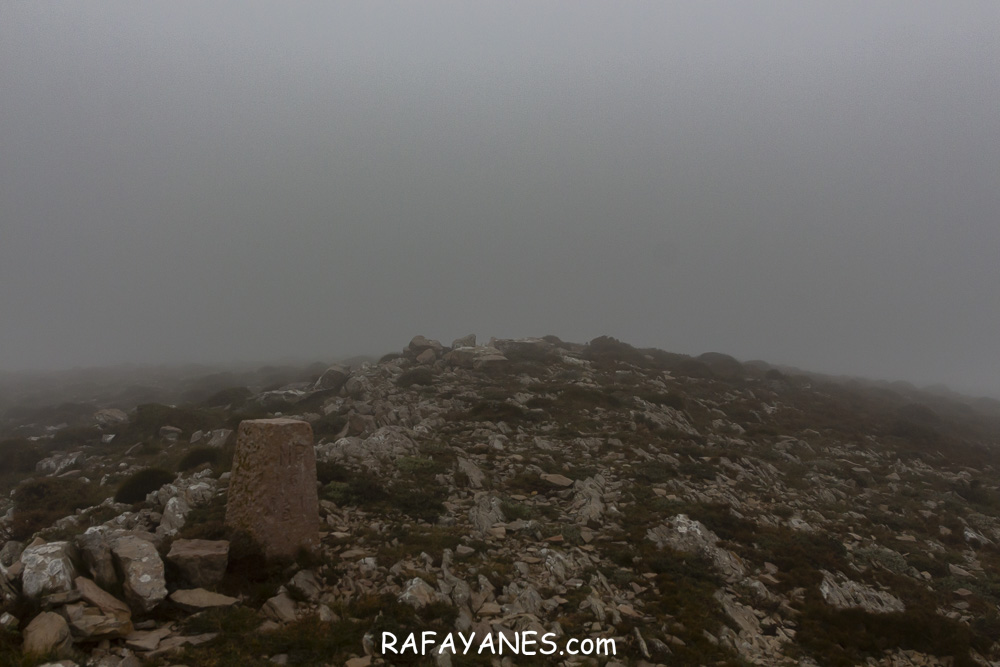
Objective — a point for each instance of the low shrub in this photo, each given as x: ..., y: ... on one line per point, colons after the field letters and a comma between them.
x: 75, y: 436
x: 150, y: 417
x: 136, y: 487
x: 40, y: 502
x: 19, y: 455
x: 197, y: 456
x: 841, y: 638
x: 328, y: 471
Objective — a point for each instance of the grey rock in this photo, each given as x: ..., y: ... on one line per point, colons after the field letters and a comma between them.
x: 842, y: 593
x: 333, y: 378
x: 486, y: 512
x: 306, y: 584
x: 280, y: 608
x: 95, y: 551
x: 141, y: 571
x: 464, y: 341
x: 48, y: 568
x: 10, y: 553
x: 200, y: 562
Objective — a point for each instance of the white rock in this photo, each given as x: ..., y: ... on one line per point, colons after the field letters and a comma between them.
x: 48, y: 568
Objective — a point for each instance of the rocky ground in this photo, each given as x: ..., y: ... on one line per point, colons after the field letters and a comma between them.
x: 698, y: 511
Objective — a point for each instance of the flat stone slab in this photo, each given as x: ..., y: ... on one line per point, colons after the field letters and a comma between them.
x: 196, y: 599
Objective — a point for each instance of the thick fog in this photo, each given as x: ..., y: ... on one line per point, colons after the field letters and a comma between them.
x: 815, y: 184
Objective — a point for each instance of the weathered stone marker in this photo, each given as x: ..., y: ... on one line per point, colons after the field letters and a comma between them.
x: 272, y: 492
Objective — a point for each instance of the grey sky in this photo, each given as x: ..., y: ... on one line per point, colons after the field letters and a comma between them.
x: 806, y: 183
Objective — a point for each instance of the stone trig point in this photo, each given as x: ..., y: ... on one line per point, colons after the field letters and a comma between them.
x: 272, y: 492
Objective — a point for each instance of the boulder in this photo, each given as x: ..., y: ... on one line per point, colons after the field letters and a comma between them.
x: 95, y: 552
x: 96, y: 596
x: 110, y: 417
x: 170, y: 433
x: 333, y: 378
x: 272, y: 491
x: 418, y: 593
x: 280, y: 608
x: 464, y: 341
x: 588, y: 504
x: 474, y: 357
x: 57, y: 464
x: 218, y: 437
x: 88, y: 622
x: 428, y: 356
x: 420, y: 344
x: 47, y: 633
x: 689, y: 536
x: 10, y: 553
x: 842, y: 593
x: 472, y: 472
x: 524, y: 349
x: 377, y: 451
x: 486, y: 512
x: 174, y: 517
x: 200, y: 562
x: 48, y: 568
x: 306, y: 584
x: 141, y: 571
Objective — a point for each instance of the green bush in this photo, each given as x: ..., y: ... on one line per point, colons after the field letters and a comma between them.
x: 328, y: 471
x: 197, y: 456
x: 841, y: 638
x: 19, y: 455
x: 137, y: 486
x: 329, y: 426
x: 40, y: 502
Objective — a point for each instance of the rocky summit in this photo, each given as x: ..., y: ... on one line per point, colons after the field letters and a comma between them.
x: 680, y: 510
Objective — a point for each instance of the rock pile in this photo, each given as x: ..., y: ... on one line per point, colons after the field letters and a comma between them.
x: 692, y: 510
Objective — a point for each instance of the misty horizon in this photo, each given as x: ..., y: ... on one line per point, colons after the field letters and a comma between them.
x: 812, y: 186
